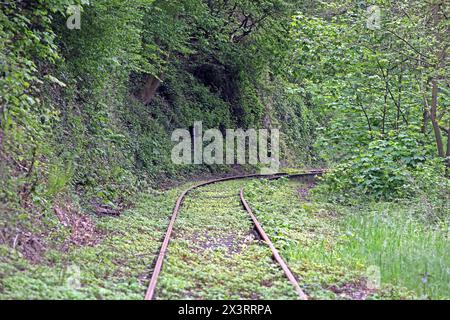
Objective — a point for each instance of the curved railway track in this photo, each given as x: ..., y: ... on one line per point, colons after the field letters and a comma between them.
x: 310, y: 175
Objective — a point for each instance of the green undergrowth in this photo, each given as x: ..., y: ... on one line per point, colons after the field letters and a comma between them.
x: 378, y: 251
x: 409, y: 251
x: 307, y: 237
x: 335, y: 251
x: 304, y: 237
x: 215, y: 255
x: 117, y: 267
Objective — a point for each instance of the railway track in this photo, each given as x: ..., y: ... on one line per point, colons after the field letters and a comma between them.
x: 306, y: 177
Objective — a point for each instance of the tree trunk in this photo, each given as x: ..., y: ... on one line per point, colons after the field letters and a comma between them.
x: 425, y: 121
x: 149, y: 90
x: 448, y: 148
x: 434, y: 120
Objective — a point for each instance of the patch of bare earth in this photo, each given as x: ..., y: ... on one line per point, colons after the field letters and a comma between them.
x: 18, y: 235
x: 214, y: 240
x: 83, y: 230
x: 101, y: 209
x: 357, y: 290
x: 32, y: 246
x: 303, y: 192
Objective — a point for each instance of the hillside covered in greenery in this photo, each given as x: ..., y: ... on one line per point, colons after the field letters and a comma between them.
x: 91, y: 91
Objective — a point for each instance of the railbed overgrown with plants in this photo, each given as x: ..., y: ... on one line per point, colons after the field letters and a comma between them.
x: 116, y: 265
x: 86, y: 117
x: 348, y: 245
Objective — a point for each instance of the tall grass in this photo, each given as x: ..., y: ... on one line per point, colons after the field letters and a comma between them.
x: 408, y: 252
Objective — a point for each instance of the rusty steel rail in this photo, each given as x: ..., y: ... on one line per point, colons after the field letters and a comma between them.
x: 274, y: 250
x: 159, y: 262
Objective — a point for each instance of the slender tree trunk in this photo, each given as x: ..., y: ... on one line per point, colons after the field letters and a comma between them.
x: 149, y: 90
x: 369, y: 125
x: 425, y: 121
x: 434, y: 120
x: 383, y: 127
x: 399, y: 103
x: 448, y: 148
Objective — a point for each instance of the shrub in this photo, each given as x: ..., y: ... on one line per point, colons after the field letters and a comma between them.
x: 390, y: 169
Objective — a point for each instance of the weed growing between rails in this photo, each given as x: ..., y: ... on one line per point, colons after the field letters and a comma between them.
x: 214, y: 254
x: 311, y: 237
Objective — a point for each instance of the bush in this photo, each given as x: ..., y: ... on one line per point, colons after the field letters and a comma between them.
x: 395, y: 168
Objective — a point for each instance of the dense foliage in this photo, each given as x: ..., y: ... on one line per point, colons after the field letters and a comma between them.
x: 92, y: 108
x: 86, y: 114
x: 381, y: 91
